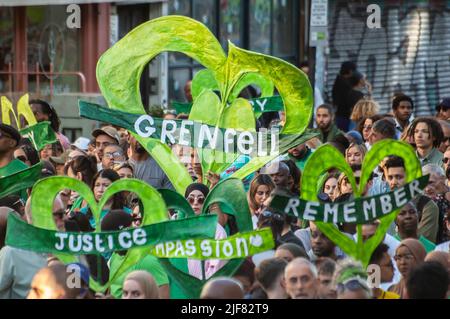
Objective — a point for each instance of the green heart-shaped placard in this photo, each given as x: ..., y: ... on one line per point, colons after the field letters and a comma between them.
x: 119, y: 70
x: 45, y: 191
x: 327, y: 157
x: 231, y: 194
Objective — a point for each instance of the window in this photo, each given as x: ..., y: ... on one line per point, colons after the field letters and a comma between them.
x: 51, y: 43
x: 6, y: 47
x: 265, y: 26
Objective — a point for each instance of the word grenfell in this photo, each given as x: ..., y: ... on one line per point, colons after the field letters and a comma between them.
x: 359, y: 211
x: 195, y: 134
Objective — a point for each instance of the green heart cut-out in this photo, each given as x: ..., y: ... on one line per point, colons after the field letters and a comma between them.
x: 45, y: 191
x: 232, y: 195
x: 327, y: 157
x: 119, y: 70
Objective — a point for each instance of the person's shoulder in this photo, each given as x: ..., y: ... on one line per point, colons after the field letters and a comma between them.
x: 445, y: 246
x: 429, y: 245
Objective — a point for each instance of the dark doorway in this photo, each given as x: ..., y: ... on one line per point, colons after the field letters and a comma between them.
x: 130, y: 16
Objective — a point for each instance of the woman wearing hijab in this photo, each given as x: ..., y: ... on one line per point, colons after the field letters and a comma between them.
x: 196, y: 194
x: 140, y: 284
x: 408, y: 254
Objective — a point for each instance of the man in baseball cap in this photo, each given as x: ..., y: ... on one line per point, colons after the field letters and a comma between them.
x: 104, y: 136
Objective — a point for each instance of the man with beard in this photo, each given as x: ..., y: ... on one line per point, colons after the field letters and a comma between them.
x: 402, y: 107
x: 300, y: 155
x: 104, y: 137
x: 407, y: 221
x: 428, y: 211
x: 325, y: 123
x: 145, y: 167
x: 321, y: 245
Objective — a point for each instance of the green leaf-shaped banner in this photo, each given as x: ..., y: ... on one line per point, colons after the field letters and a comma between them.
x: 327, y: 157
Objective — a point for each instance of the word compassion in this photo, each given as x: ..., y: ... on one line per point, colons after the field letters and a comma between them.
x: 359, y: 211
x: 190, y: 133
x: 237, y: 246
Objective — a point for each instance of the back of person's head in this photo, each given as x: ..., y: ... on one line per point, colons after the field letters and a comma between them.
x: 86, y: 166
x: 222, y: 288
x: 441, y: 257
x: 269, y: 271
x: 385, y: 127
x: 48, y: 169
x: 356, y: 78
x: 400, y: 98
x: 428, y: 280
x: 116, y: 219
x: 145, y: 281
x: 350, y: 280
x: 364, y: 108
x: 52, y: 283
x: 347, y: 67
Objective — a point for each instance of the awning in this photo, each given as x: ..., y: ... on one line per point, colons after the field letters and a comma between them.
x: 17, y: 3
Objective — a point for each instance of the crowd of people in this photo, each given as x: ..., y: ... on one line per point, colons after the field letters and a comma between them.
x: 413, y: 260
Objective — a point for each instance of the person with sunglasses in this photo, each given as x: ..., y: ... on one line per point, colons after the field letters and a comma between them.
x: 26, y: 152
x: 381, y: 258
x: 408, y: 255
x: 350, y: 280
x: 196, y: 194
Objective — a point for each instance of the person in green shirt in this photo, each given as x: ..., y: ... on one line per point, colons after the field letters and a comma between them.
x: 407, y: 222
x: 118, y: 220
x: 300, y: 155
x: 9, y: 140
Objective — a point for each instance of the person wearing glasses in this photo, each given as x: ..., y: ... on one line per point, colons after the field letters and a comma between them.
x: 350, y: 280
x: 382, y: 259
x: 196, y: 194
x: 26, y: 152
x: 112, y: 154
x: 446, y: 166
x: 408, y: 255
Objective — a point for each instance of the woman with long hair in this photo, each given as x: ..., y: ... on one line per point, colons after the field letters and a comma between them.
x: 260, y: 188
x: 100, y: 183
